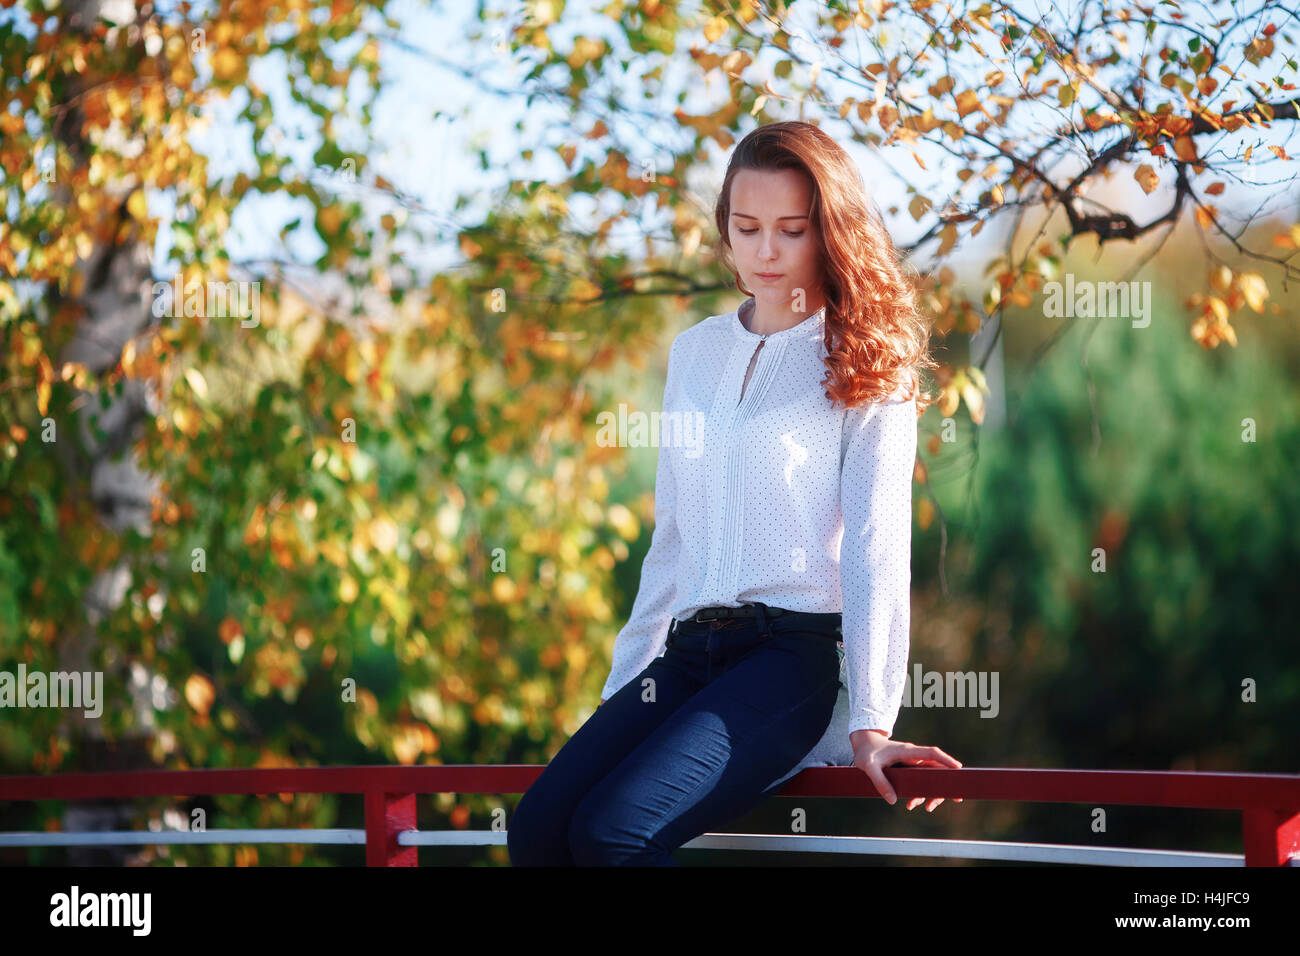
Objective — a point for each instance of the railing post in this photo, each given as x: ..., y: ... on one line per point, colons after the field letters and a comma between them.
x: 388, y: 814
x: 1271, y: 837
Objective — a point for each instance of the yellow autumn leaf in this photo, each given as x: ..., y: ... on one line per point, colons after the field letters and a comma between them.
x: 1254, y: 289
x: 1289, y: 239
x: 624, y: 522
x: 947, y: 238
x: 137, y: 206
x: 331, y: 219
x: 948, y: 400
x: 503, y: 588
x: 197, y: 382
x: 1185, y: 147
x: 715, y: 28
x: 227, y: 65
x: 967, y: 102
x: 1218, y: 306
x: 1146, y: 178
x: 974, y: 400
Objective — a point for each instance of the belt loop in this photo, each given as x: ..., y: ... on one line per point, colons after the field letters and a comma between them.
x: 761, y: 609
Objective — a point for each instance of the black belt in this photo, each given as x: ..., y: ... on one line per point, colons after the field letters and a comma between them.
x: 722, y: 611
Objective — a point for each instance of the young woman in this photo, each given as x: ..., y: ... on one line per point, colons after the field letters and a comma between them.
x: 780, y: 562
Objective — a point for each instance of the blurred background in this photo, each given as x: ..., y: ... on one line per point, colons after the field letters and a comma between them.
x: 308, y: 310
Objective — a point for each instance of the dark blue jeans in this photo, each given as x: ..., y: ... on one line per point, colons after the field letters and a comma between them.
x: 698, y: 738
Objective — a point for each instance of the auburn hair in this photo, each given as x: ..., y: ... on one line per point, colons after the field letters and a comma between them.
x: 876, y: 338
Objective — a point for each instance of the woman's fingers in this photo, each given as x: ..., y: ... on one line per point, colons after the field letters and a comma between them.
x: 915, y: 755
x: 942, y: 756
x: 933, y: 757
x: 879, y: 781
x: 917, y: 801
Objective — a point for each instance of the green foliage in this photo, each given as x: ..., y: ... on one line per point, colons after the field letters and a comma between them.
x: 1141, y: 664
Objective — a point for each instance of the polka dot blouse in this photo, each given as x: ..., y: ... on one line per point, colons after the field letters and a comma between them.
x: 776, y: 495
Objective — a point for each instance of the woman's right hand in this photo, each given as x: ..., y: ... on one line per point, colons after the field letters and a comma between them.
x: 873, y: 751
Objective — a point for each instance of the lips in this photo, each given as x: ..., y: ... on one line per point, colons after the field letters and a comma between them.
x: 768, y: 275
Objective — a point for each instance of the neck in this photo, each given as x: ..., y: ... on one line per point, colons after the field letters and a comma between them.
x: 769, y: 321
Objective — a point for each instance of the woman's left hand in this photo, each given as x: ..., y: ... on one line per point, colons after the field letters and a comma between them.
x: 873, y: 752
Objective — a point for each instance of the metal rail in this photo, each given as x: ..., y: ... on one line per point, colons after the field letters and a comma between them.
x: 1269, y: 805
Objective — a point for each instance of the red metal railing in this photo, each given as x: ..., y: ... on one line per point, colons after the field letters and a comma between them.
x: 1269, y: 803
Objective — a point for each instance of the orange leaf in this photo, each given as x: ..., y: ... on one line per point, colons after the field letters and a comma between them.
x: 229, y: 630
x: 1147, y: 178
x: 199, y: 693
x: 924, y: 513
x: 1214, y: 189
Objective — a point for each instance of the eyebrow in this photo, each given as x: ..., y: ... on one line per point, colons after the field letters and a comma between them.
x: 745, y: 215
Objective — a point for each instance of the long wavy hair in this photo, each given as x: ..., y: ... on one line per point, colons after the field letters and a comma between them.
x: 876, y: 338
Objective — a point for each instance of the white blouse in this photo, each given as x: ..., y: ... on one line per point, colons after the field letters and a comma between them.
x: 753, y: 495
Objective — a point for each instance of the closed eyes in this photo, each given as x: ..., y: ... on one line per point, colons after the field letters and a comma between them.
x: 750, y: 232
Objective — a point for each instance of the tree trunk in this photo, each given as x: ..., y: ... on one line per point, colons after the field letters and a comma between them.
x: 115, y: 304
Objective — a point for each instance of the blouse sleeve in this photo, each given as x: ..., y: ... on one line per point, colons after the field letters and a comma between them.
x: 642, y: 639
x: 876, y: 558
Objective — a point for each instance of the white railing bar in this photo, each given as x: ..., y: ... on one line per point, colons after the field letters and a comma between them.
x: 961, y: 849
x: 451, y: 838
x: 152, y: 837
x: 967, y: 849
x: 887, y: 846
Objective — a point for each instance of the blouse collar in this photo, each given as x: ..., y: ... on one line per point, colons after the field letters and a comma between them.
x: 810, y: 324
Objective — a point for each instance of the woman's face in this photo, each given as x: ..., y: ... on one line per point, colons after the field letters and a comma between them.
x: 770, y: 233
